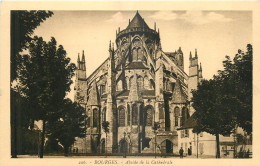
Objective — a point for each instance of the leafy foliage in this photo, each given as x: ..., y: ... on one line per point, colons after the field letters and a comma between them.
x: 105, y: 126
x: 45, y: 77
x: 237, y: 78
x: 70, y: 125
x: 156, y: 126
x: 225, y: 102
x: 23, y: 23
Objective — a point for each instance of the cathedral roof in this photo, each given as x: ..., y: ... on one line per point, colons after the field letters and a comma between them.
x: 178, y: 96
x: 136, y: 65
x: 93, y: 99
x: 137, y: 22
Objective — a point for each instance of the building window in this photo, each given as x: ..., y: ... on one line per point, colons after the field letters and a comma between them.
x: 128, y: 115
x: 148, y: 116
x: 185, y: 115
x: 139, y: 54
x: 151, y: 84
x: 103, y: 89
x: 182, y: 133
x: 95, y: 117
x: 121, y: 116
x: 135, y: 54
x: 176, y: 115
x: 134, y: 115
x: 201, y: 134
x: 140, y: 81
x: 104, y: 114
x: 186, y: 133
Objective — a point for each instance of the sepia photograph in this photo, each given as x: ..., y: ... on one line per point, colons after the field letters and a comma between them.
x: 131, y: 85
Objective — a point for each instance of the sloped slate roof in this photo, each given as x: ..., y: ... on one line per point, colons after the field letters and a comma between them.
x: 136, y: 65
x: 189, y: 123
x: 178, y: 96
x: 137, y: 22
x: 93, y: 99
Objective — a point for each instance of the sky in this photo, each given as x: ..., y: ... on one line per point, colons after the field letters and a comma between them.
x: 214, y: 34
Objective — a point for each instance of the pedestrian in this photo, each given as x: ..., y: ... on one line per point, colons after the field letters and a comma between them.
x: 181, y: 152
x: 189, y: 151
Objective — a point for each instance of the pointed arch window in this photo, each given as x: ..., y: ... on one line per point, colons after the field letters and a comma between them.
x: 95, y: 117
x: 176, y: 115
x: 185, y: 115
x: 139, y: 54
x: 148, y: 116
x: 104, y: 114
x: 135, y: 55
x: 152, y: 85
x: 140, y: 81
x: 128, y: 115
x: 134, y: 115
x: 121, y: 116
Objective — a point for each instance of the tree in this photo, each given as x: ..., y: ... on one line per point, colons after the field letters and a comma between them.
x: 23, y: 23
x: 237, y: 81
x: 44, y: 78
x: 225, y: 102
x: 105, y: 126
x: 71, y: 124
x: 211, y: 115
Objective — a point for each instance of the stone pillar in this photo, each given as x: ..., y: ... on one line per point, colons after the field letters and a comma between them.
x: 172, y: 120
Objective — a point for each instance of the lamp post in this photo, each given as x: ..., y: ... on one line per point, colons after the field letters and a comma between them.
x: 155, y: 127
x: 124, y: 146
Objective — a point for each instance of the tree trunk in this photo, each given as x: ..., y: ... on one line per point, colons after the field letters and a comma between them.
x: 218, y: 150
x: 14, y: 134
x: 66, y: 150
x: 106, y: 144
x: 42, y: 139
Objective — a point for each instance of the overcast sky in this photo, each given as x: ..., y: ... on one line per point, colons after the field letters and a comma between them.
x: 214, y: 34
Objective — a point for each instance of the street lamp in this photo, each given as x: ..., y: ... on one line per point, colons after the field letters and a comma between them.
x: 155, y: 127
x: 124, y: 146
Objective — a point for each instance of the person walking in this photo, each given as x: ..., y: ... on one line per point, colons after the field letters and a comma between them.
x: 181, y: 152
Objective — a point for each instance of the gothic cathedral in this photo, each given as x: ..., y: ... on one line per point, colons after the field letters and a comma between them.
x: 137, y: 86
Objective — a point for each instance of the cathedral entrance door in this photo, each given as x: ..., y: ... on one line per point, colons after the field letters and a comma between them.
x: 103, y: 146
x: 123, y: 146
x: 167, y: 146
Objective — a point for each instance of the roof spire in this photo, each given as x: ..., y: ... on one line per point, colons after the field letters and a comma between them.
x: 200, y: 67
x: 83, y: 56
x: 190, y: 55
x: 112, y: 46
x: 196, y: 56
x: 109, y: 46
x: 129, y: 21
x: 78, y: 58
x: 155, y: 26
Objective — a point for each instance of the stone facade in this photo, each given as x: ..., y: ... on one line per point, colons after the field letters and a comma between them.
x: 137, y: 85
